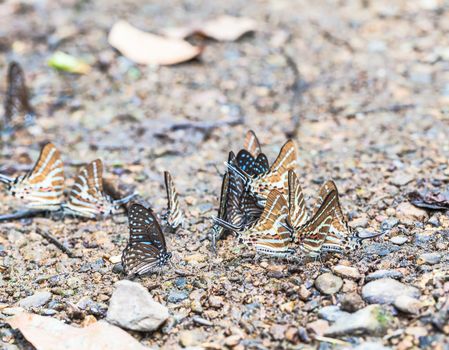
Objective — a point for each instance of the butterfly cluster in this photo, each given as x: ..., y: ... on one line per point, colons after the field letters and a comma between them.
x: 42, y: 188
x: 265, y: 206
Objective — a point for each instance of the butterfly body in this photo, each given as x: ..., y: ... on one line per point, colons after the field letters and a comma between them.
x: 146, y: 248
x: 42, y: 187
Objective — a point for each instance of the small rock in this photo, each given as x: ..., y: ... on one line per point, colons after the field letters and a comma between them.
x: 304, y: 293
x: 175, y: 296
x: 398, y: 240
x: 384, y: 274
x: 407, y: 304
x: 401, y: 179
x: 351, y: 302
x: 202, y: 321
x: 407, y: 211
x: 232, y: 340
x: 215, y: 301
x: 331, y: 313
x: 328, y: 283
x: 278, y: 331
x: 371, y: 320
x: 132, y: 307
x: 11, y: 311
x: 359, y: 222
x: 347, y: 272
x: 429, y: 258
x: 388, y: 224
x: 36, y: 300
x: 319, y: 327
x: 434, y: 221
x: 190, y: 338
x: 291, y: 334
x: 386, y: 290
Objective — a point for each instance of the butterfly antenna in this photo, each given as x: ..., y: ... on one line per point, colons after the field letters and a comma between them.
x: 125, y: 199
x: 226, y: 224
x: 6, y: 179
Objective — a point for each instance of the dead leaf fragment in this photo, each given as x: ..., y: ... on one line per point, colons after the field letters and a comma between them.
x: 147, y: 48
x: 47, y: 333
x: 223, y: 28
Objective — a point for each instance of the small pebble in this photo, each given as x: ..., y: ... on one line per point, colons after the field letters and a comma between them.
x: 429, y: 258
x: 398, y: 240
x: 347, y: 272
x: 328, y: 283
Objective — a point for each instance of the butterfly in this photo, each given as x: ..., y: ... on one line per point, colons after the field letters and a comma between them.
x: 252, y: 144
x: 87, y: 197
x: 268, y: 235
x: 277, y: 175
x: 340, y: 237
x: 313, y: 234
x: 174, y: 214
x: 42, y: 187
x: 298, y: 215
x: 16, y: 101
x: 146, y: 248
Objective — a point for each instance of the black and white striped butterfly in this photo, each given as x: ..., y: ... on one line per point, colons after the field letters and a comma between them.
x: 174, y: 214
x: 18, y: 111
x: 88, y: 198
x: 146, y: 248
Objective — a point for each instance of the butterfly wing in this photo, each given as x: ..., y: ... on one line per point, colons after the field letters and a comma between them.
x: 269, y: 235
x: 252, y: 144
x: 43, y: 186
x: 297, y: 206
x: 16, y: 100
x: 175, y: 216
x: 146, y: 248
x: 277, y: 177
x: 339, y: 227
x: 86, y: 197
x: 313, y: 235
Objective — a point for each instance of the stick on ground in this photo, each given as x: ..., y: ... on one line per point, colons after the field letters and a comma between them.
x: 52, y: 239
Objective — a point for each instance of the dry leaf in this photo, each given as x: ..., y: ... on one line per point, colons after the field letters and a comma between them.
x: 47, y: 333
x: 223, y: 28
x: 147, y: 48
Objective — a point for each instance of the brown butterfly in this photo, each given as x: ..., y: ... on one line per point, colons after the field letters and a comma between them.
x: 340, y: 238
x: 313, y: 234
x: 296, y: 203
x: 87, y: 197
x: 174, y: 214
x: 276, y: 177
x: 16, y: 102
x: 42, y: 187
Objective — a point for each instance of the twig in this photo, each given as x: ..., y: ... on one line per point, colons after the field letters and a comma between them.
x: 206, y: 127
x: 21, y: 214
x: 331, y: 340
x: 393, y: 108
x: 53, y: 239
